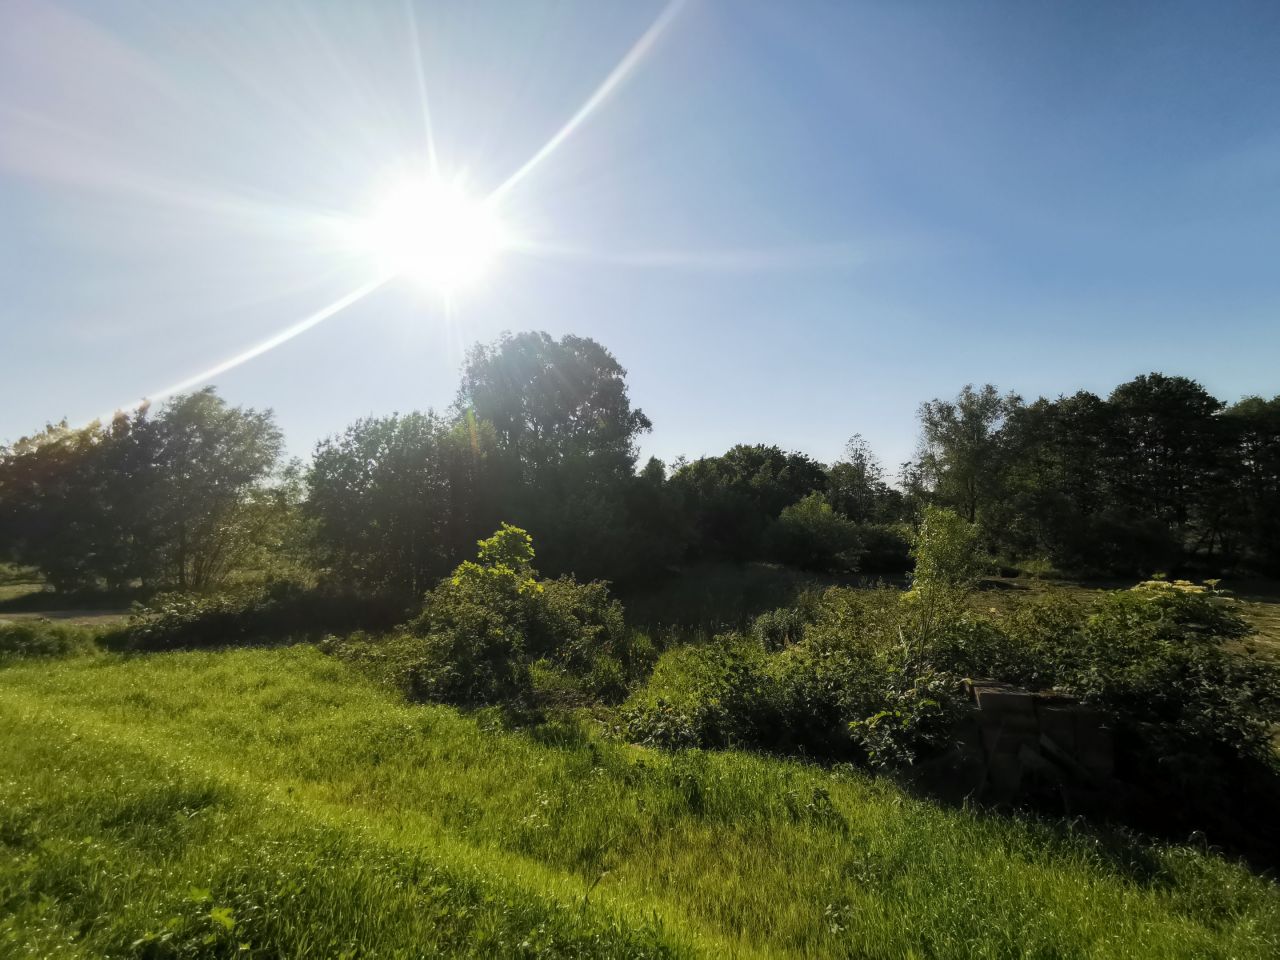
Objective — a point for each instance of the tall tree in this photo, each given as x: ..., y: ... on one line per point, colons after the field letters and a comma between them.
x: 960, y: 453
x: 211, y: 456
x: 856, y: 486
x: 1163, y: 446
x: 395, y: 501
x: 567, y: 432
x: 150, y: 499
x: 552, y: 401
x: 1251, y: 500
x: 733, y: 498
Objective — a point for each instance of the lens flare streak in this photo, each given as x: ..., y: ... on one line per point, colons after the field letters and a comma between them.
x: 619, y: 73
x: 610, y: 83
x: 257, y: 350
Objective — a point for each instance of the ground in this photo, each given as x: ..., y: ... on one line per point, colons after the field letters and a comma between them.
x: 275, y: 803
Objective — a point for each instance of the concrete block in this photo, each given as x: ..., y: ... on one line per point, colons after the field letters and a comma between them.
x: 1058, y: 724
x: 1003, y: 699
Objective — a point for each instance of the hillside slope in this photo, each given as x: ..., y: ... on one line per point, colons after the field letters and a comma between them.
x: 273, y: 803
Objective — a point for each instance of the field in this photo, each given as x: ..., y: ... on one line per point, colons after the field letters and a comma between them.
x: 274, y: 803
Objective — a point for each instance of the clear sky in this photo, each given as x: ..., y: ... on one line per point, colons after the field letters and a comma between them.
x: 790, y: 221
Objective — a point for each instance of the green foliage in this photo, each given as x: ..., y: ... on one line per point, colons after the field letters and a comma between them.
x: 961, y: 449
x: 917, y: 715
x: 396, y: 501
x: 732, y: 499
x: 775, y: 629
x: 1156, y: 475
x: 717, y: 695
x: 475, y: 625
x: 947, y: 552
x: 885, y: 548
x: 259, y: 613
x: 173, y: 499
x: 874, y: 676
x: 566, y: 435
x: 810, y: 535
x: 44, y: 638
x: 145, y: 800
x: 484, y: 626
x: 856, y: 487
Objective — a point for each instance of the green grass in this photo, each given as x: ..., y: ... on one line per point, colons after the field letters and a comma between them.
x: 18, y: 582
x: 274, y: 803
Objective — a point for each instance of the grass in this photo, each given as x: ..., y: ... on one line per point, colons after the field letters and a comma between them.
x: 275, y: 803
x: 18, y: 582
x: 1259, y: 602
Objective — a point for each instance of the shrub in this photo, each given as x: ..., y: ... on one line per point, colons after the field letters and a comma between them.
x: 43, y: 638
x: 581, y: 628
x: 884, y: 548
x: 947, y: 550
x: 274, y: 611
x: 917, y: 715
x: 482, y: 627
x: 779, y: 628
x: 810, y: 535
x: 875, y: 675
x: 717, y: 695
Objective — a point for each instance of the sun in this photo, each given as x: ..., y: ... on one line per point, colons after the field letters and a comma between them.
x: 431, y: 231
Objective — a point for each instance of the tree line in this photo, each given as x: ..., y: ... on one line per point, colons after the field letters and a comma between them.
x: 1159, y: 475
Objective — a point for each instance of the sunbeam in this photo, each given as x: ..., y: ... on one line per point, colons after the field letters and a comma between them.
x: 611, y: 82
x: 257, y: 350
x: 416, y: 40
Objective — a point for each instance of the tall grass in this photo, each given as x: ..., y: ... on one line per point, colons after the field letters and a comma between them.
x: 273, y: 803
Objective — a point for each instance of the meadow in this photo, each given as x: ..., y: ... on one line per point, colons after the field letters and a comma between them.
x: 278, y: 803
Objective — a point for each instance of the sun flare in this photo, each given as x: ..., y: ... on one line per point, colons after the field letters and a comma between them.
x: 433, y: 232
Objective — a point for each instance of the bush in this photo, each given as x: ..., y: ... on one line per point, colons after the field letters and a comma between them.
x: 583, y: 630
x: 484, y: 626
x: 810, y: 535
x: 717, y: 695
x: 775, y: 629
x: 275, y: 611
x: 884, y: 548
x: 947, y: 550
x: 875, y: 675
x: 43, y: 638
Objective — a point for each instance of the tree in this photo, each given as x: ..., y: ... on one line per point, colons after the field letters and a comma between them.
x: 960, y: 454
x: 732, y: 499
x: 49, y: 512
x: 395, y: 501
x: 857, y: 489
x: 153, y: 500
x: 552, y: 401
x: 567, y: 433
x: 1249, y: 500
x: 1162, y: 447
x: 810, y: 535
x: 947, y: 552
x: 210, y: 458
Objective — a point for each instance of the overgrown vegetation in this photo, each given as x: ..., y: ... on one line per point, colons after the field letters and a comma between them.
x: 484, y: 628
x: 405, y: 549
x: 270, y: 803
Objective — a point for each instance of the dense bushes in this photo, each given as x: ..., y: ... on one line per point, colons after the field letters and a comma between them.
x: 43, y: 638
x: 875, y: 675
x: 483, y: 629
x: 810, y: 535
x: 274, y: 611
x: 717, y: 695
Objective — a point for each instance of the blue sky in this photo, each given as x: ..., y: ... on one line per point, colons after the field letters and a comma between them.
x: 790, y: 222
